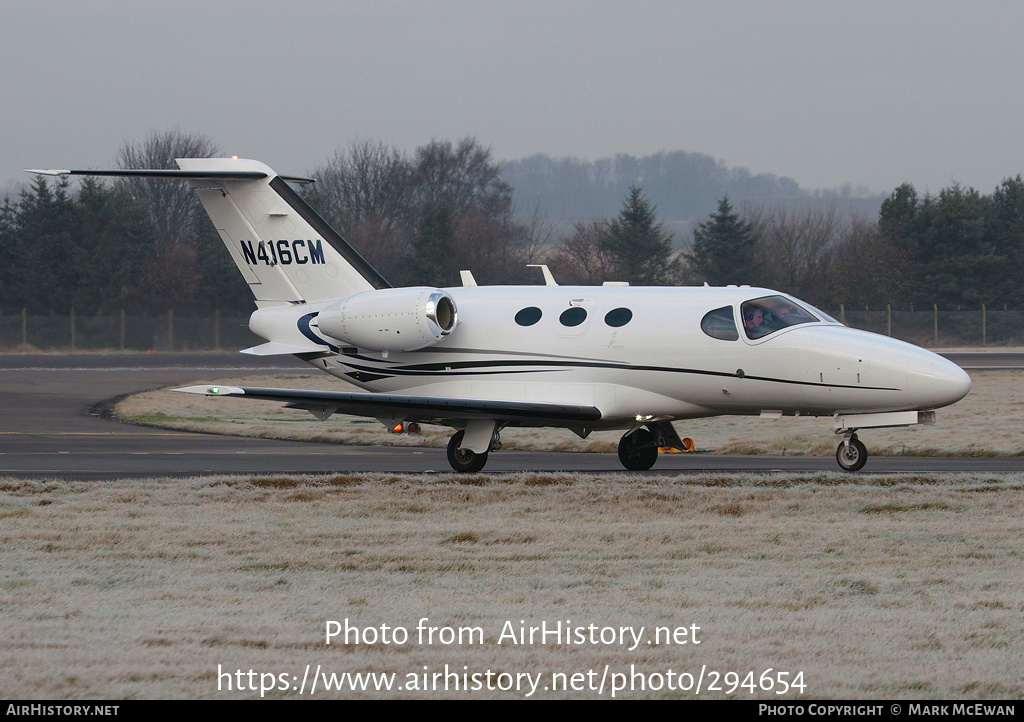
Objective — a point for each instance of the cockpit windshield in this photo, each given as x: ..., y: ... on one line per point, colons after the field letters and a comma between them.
x: 821, y: 314
x: 763, y: 316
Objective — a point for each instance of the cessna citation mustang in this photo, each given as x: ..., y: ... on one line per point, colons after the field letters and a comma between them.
x: 586, y: 358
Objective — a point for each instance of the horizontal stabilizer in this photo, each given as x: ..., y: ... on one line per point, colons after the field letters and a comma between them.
x: 169, y: 173
x: 424, y: 409
x: 275, y: 348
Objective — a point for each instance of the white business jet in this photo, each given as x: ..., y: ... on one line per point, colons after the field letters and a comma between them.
x: 587, y: 358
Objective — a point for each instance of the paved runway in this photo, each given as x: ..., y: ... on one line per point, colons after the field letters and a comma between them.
x: 51, y: 426
x: 969, y: 360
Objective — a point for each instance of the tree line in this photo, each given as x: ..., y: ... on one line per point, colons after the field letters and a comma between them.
x: 959, y: 248
x: 421, y: 217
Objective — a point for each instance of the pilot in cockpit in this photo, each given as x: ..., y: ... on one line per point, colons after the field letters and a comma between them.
x: 753, y: 321
x: 780, y: 317
x: 769, y: 314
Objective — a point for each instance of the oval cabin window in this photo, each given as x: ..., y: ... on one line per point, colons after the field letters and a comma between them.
x: 528, y: 316
x: 618, y: 317
x: 573, y: 316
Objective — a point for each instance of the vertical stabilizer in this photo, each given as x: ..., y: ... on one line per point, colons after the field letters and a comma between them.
x: 286, y: 252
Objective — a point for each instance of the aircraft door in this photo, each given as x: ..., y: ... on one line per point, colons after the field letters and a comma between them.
x: 573, y: 318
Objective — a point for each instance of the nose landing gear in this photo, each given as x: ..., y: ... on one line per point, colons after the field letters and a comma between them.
x: 851, y: 454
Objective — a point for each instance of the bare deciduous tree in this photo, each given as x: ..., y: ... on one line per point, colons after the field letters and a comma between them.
x: 172, y: 205
x: 461, y: 176
x: 581, y: 259
x: 796, y: 247
x: 869, y: 267
x: 461, y: 183
x: 365, y: 192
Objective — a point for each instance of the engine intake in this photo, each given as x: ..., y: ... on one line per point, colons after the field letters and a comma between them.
x: 392, y: 319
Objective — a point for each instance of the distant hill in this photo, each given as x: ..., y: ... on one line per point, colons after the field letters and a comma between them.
x: 685, y: 187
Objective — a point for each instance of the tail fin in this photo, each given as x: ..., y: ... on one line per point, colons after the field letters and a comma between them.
x: 284, y: 249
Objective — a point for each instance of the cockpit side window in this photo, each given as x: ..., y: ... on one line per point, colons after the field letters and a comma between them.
x: 720, y: 324
x: 763, y: 316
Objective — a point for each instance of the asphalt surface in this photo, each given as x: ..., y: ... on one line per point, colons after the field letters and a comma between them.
x: 52, y: 425
x: 969, y: 360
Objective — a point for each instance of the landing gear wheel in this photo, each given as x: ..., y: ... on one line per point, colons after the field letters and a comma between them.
x: 852, y: 456
x: 637, y: 451
x: 464, y: 460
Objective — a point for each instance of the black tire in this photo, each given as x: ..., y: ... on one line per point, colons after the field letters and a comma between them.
x: 852, y: 456
x: 637, y: 451
x: 464, y: 460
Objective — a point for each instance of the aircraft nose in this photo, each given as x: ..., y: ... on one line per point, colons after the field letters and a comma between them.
x: 934, y: 382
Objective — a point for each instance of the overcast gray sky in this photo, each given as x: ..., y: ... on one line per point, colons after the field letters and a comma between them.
x: 871, y: 93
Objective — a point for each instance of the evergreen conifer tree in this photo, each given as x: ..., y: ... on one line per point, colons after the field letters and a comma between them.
x: 724, y: 249
x: 639, y: 251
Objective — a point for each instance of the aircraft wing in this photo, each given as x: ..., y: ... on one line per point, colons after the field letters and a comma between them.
x: 401, y: 407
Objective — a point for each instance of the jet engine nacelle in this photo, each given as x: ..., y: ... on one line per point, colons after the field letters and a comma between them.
x: 392, y: 319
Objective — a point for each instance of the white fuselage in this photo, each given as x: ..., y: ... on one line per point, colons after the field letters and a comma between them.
x: 658, y: 365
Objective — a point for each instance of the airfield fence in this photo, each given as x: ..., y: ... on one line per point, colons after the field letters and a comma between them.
x: 166, y: 332
x: 939, y: 328
x: 933, y: 327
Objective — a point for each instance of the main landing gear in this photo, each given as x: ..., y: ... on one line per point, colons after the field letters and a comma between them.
x: 638, y: 449
x: 467, y: 460
x: 464, y: 460
x: 851, y: 454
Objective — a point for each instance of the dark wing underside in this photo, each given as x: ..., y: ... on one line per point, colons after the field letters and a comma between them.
x: 423, y: 409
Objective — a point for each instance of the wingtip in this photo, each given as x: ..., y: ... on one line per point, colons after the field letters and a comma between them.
x: 47, y: 171
x: 213, y: 390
